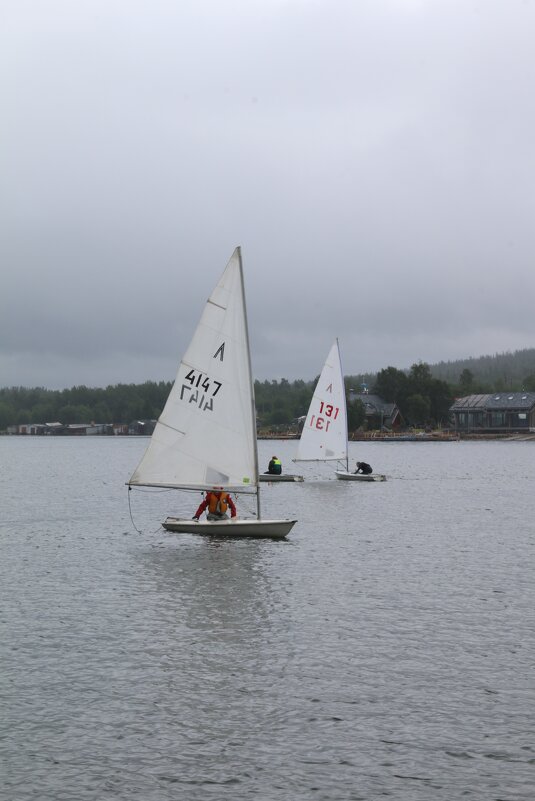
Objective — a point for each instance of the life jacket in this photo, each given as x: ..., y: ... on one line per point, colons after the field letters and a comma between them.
x: 217, y: 504
x: 276, y: 466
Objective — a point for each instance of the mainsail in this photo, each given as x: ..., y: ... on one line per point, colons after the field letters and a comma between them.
x: 206, y: 435
x: 324, y: 434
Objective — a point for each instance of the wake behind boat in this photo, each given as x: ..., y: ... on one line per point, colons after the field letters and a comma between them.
x: 206, y: 435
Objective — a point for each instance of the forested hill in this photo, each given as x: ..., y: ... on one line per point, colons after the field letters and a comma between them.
x: 423, y: 393
x: 493, y: 373
x: 482, y: 374
x: 510, y: 370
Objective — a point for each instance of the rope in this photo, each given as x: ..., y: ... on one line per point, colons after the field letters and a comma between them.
x: 130, y: 510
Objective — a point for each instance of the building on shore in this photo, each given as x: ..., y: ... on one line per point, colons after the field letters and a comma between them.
x: 499, y: 413
x: 380, y: 414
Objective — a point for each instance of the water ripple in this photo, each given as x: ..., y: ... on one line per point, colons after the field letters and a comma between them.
x: 384, y: 651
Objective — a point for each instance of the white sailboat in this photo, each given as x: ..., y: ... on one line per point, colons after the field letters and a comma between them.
x: 205, y: 438
x: 345, y: 475
x: 324, y: 434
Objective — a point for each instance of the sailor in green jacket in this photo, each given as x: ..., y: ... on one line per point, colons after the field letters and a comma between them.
x: 274, y: 467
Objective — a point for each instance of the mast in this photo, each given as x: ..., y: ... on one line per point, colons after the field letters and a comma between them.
x: 253, y: 405
x: 345, y: 403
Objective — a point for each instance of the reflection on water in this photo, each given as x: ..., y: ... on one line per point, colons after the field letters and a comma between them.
x: 385, y: 649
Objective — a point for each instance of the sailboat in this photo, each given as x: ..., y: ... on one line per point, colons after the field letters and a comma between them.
x: 275, y: 479
x: 324, y: 434
x: 205, y: 438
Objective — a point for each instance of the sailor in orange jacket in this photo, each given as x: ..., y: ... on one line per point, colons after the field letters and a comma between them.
x: 217, y: 502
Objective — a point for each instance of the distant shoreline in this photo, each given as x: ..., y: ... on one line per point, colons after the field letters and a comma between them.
x: 283, y: 437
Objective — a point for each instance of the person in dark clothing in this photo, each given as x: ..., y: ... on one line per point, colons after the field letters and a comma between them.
x: 274, y: 466
x: 363, y: 467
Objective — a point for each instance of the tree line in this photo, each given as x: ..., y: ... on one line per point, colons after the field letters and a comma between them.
x: 121, y: 403
x: 422, y: 396
x: 486, y: 374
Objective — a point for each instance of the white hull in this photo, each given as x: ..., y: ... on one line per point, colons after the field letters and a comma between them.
x: 269, y: 529
x: 343, y: 476
x: 281, y: 477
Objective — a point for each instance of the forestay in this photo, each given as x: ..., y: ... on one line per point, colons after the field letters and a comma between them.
x: 205, y: 436
x: 324, y: 435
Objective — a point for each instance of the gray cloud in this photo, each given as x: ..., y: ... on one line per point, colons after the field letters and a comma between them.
x: 374, y: 160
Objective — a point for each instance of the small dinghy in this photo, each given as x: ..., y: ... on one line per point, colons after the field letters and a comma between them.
x: 344, y: 476
x: 324, y: 435
x: 205, y: 438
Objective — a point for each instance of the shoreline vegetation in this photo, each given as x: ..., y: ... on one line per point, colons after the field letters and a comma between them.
x: 427, y: 436
x: 424, y: 396
x: 368, y: 437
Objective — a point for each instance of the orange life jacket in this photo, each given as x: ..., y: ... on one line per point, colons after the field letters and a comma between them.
x: 217, y: 503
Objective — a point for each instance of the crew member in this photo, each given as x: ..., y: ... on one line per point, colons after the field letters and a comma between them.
x: 217, y: 503
x: 274, y: 466
x: 363, y: 467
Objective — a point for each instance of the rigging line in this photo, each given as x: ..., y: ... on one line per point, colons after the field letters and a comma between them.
x: 130, y: 510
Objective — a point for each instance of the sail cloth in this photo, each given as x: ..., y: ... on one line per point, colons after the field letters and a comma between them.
x: 206, y: 435
x: 324, y: 434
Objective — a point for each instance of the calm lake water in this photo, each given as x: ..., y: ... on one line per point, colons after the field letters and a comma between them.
x: 385, y: 650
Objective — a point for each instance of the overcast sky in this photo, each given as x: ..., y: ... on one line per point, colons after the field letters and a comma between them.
x: 375, y: 159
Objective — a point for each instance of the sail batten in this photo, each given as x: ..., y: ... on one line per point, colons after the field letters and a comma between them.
x: 178, y: 431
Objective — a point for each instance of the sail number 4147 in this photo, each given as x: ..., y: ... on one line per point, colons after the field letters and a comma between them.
x: 200, y: 390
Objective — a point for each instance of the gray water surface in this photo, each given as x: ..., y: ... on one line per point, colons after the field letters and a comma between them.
x: 385, y: 650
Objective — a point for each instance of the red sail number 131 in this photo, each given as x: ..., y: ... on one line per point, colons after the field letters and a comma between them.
x: 329, y: 411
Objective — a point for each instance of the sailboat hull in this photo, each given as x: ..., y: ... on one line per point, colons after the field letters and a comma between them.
x: 263, y: 529
x: 359, y: 476
x: 271, y: 477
